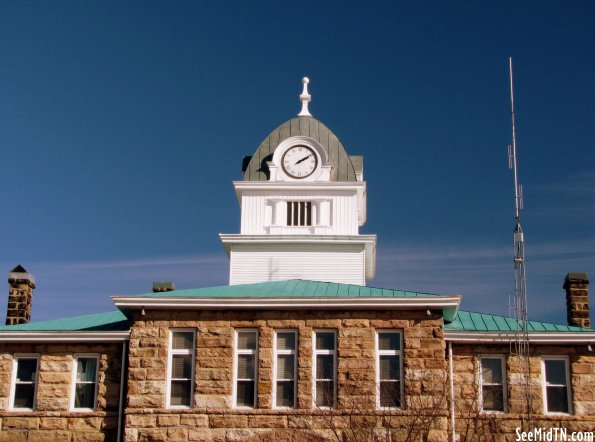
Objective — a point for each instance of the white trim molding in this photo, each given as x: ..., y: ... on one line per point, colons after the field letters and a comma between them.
x: 534, y: 337
x: 448, y: 304
x: 64, y: 336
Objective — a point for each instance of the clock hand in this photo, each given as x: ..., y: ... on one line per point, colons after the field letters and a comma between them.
x: 303, y: 159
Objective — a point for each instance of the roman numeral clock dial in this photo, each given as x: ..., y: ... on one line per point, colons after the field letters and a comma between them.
x: 299, y: 162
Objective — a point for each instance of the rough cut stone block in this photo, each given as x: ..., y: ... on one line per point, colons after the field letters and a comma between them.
x: 228, y: 421
x: 177, y: 434
x: 24, y: 423
x: 167, y: 420
x: 88, y: 436
x: 84, y: 423
x: 53, y: 423
x: 148, y: 421
x: 199, y: 434
x: 140, y: 401
x: 13, y: 436
x: 152, y: 435
x: 54, y: 378
x: 194, y: 420
x: 52, y: 404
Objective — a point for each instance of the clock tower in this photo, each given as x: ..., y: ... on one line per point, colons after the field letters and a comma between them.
x: 303, y: 199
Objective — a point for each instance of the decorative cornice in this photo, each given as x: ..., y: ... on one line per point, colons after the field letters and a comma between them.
x: 302, y: 239
x: 63, y: 336
x: 448, y: 304
x: 470, y: 337
x: 298, y: 185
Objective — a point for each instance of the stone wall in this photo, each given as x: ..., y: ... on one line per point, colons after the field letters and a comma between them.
x: 51, y: 420
x: 212, y: 416
x: 474, y: 425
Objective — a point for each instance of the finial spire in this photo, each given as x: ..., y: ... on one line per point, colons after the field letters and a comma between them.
x: 305, y: 98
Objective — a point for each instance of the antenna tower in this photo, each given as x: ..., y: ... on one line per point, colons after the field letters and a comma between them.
x: 519, y: 305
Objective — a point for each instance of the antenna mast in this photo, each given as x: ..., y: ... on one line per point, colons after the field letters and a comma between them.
x: 521, y: 344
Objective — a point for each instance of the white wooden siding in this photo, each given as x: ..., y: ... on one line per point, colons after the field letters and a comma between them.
x: 342, y: 263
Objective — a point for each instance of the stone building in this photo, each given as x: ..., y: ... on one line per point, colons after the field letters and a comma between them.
x: 297, y: 347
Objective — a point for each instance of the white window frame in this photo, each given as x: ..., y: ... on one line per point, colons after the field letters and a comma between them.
x: 398, y: 353
x: 13, y: 381
x: 184, y: 352
x: 502, y: 359
x: 236, y: 352
x: 74, y: 382
x: 544, y: 384
x: 276, y: 353
x: 315, y: 353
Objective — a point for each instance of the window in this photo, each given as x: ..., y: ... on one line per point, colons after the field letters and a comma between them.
x: 84, y: 385
x: 299, y: 213
x: 285, y: 369
x: 245, y: 368
x: 388, y: 368
x: 180, y: 372
x: 24, y: 382
x: 492, y: 381
x: 325, y: 368
x: 556, y: 393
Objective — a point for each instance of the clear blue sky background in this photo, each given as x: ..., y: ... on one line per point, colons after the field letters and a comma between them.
x: 122, y: 125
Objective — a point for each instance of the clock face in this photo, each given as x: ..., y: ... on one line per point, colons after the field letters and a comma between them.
x: 299, y: 161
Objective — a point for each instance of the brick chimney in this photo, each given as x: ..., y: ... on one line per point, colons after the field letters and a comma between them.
x: 20, y: 295
x: 163, y: 286
x: 577, y: 299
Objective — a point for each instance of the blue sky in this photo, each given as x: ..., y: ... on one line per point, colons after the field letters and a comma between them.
x: 123, y: 124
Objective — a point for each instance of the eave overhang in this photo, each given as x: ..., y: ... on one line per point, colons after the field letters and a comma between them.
x: 367, y: 241
x: 447, y: 304
x: 543, y: 338
x: 64, y: 336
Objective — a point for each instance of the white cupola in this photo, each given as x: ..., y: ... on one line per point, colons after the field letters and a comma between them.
x: 302, y: 202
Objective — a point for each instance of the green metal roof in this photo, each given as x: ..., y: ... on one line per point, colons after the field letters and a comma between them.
x: 110, y: 321
x: 475, y: 322
x: 293, y: 288
x: 117, y: 321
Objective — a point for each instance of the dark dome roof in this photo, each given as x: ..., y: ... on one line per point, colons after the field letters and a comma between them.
x: 342, y: 166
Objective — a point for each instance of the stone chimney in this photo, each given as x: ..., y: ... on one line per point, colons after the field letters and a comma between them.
x: 20, y: 295
x: 577, y: 299
x: 163, y: 286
